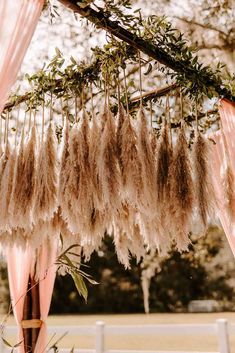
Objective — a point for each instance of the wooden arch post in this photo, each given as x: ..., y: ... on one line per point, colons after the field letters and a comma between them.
x: 31, y: 316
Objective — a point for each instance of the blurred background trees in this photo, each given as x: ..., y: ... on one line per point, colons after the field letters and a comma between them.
x: 205, y: 272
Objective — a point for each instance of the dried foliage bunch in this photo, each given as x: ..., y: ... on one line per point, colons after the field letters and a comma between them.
x: 107, y: 174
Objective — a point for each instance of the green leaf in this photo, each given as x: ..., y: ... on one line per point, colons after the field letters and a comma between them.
x: 92, y: 281
x: 62, y: 240
x: 6, y: 342
x: 68, y: 249
x: 58, y: 52
x: 80, y: 285
x: 150, y: 67
x: 73, y: 60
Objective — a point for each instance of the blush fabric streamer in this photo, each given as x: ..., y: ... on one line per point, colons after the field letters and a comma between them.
x: 227, y: 116
x: 18, y: 20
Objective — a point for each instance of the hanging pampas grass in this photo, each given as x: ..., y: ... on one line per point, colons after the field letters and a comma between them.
x: 202, y: 182
x: 28, y: 194
x: 124, y: 220
x: 115, y: 177
x: 147, y: 158
x: 70, y: 194
x: 121, y: 119
x: 129, y: 245
x: 153, y: 141
x: 182, y: 193
x: 163, y: 179
x: 84, y: 204
x: 68, y: 238
x: 63, y: 196
x: 47, y: 178
x: 153, y: 233
x: 163, y: 163
x: 132, y: 183
x: 1, y: 149
x: 3, y: 160
x: 23, y: 193
x: 137, y: 246
x: 16, y: 188
x: 95, y: 140
x: 77, y: 204
x: 44, y: 231
x: 99, y: 218
x: 4, y: 179
x: 122, y: 249
x: 108, y: 167
x: 6, y: 185
x: 15, y: 237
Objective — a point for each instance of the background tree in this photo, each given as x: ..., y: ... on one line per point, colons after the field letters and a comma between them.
x: 205, y: 272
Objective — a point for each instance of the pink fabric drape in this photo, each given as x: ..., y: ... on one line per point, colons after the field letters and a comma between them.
x: 20, y: 263
x: 47, y: 270
x: 18, y: 20
x: 227, y: 115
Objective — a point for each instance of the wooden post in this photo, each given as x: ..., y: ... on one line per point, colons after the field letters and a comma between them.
x: 99, y: 337
x: 27, y: 316
x: 222, y: 327
x: 35, y: 310
x: 31, y: 311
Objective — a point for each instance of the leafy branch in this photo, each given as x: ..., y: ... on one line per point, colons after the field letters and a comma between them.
x: 73, y: 267
x: 156, y: 38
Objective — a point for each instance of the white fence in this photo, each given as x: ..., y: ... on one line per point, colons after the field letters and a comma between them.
x: 221, y: 328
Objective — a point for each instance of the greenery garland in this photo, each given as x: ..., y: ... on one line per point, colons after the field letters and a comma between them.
x: 159, y: 40
x: 154, y: 36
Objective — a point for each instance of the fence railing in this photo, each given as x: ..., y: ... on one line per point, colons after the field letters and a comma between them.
x: 221, y: 328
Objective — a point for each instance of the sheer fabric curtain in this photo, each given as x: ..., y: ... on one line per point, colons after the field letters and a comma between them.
x: 18, y: 20
x: 227, y: 115
x: 19, y: 264
x: 47, y: 273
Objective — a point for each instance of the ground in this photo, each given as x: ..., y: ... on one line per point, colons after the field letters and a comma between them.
x: 186, y: 343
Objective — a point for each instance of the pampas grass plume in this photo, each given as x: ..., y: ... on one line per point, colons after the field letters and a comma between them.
x: 108, y: 167
x: 147, y: 158
x: 182, y: 193
x: 47, y: 177
x: 203, y: 183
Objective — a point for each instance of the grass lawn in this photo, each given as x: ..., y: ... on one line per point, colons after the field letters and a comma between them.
x: 187, y: 343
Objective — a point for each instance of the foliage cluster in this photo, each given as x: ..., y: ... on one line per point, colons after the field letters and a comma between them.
x: 155, y: 34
